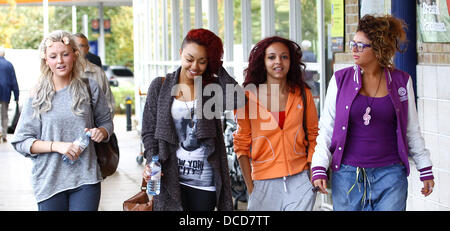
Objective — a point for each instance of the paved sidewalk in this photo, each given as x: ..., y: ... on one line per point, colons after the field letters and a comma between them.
x: 15, y: 187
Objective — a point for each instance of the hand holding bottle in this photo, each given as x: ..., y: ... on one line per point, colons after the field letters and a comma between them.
x: 70, y: 150
x: 154, y: 183
x: 147, y: 173
x: 80, y: 144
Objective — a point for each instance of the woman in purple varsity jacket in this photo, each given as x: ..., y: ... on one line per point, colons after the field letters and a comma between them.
x: 369, y: 125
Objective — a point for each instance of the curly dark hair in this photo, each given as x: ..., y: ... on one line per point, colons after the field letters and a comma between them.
x: 257, y: 74
x: 214, y: 49
x: 387, y: 35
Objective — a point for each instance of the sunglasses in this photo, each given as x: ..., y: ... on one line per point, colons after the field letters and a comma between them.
x: 359, y: 45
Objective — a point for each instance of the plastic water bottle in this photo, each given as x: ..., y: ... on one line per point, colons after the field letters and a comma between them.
x: 154, y: 184
x: 82, y: 142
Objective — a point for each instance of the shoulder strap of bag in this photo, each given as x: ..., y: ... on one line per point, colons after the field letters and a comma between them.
x: 162, y: 80
x: 304, y: 117
x: 86, y: 81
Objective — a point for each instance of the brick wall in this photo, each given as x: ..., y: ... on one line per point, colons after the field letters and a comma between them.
x: 433, y: 53
x: 433, y: 105
x: 351, y: 23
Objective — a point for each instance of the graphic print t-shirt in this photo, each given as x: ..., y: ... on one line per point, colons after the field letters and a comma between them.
x: 194, y: 169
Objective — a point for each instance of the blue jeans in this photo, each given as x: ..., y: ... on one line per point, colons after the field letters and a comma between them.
x: 369, y: 189
x: 83, y: 198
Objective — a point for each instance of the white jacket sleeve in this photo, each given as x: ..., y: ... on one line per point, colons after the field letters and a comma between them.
x: 416, y: 143
x: 322, y: 155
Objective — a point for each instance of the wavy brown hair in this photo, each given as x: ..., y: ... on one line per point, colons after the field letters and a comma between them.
x: 257, y: 74
x: 387, y: 35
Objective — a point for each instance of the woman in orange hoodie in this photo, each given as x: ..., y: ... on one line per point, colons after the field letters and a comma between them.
x: 277, y: 128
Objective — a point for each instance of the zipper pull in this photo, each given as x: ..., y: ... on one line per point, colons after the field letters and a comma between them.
x: 284, y: 184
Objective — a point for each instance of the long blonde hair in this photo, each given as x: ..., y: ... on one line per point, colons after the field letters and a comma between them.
x: 45, y: 90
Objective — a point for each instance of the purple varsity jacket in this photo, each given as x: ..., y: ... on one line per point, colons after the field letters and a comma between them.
x: 349, y: 83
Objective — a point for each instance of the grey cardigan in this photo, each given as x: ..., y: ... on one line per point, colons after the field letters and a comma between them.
x: 160, y: 138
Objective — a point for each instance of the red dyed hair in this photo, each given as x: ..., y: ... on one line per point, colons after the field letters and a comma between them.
x: 214, y: 49
x: 257, y: 74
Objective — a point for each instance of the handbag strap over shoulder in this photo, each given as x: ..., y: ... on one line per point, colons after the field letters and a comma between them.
x: 305, y: 129
x: 160, y: 86
x: 86, y: 81
x: 162, y: 82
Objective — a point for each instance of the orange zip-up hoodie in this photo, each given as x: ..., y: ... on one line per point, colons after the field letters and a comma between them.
x: 276, y: 152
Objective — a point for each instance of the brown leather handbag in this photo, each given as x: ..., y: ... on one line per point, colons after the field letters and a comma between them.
x: 140, y: 201
x: 108, y: 156
x: 107, y: 152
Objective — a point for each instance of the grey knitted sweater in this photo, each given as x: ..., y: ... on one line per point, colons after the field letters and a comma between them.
x: 160, y: 138
x: 50, y: 175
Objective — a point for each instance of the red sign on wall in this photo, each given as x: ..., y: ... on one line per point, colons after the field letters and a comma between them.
x: 95, y: 25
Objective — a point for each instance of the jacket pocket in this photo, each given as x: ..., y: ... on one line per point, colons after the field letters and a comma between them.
x: 264, y: 152
x: 300, y: 142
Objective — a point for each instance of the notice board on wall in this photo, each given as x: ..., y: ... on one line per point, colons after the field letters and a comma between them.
x: 433, y: 20
x: 337, y: 25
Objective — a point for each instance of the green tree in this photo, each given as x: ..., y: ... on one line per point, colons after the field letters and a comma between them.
x: 10, y: 22
x: 22, y: 28
x: 119, y: 45
x: 30, y: 33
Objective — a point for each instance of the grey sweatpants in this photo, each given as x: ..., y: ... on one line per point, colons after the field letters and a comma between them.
x: 290, y: 193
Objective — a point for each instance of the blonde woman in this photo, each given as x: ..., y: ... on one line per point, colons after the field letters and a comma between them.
x: 56, y: 114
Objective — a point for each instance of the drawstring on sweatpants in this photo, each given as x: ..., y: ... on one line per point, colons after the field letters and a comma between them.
x: 366, y: 183
x: 284, y: 184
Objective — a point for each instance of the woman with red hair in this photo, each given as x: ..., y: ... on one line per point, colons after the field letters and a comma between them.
x: 277, y: 128
x: 178, y: 127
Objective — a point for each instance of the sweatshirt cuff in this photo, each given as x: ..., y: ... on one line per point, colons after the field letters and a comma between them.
x: 318, y: 173
x: 426, y: 174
